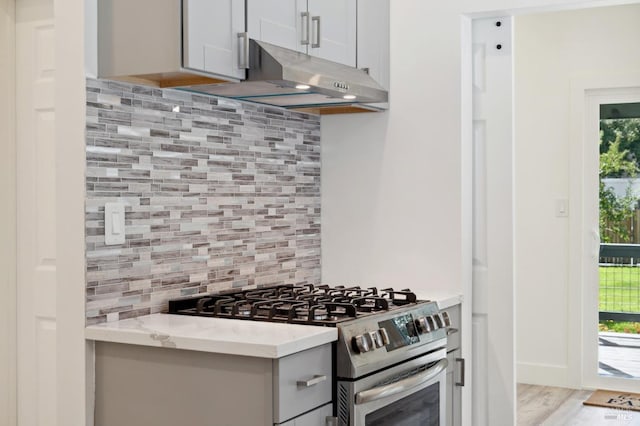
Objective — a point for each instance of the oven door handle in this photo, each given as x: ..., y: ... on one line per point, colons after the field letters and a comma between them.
x: 408, y: 383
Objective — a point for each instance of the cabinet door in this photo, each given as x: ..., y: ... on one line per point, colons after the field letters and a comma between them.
x: 333, y: 30
x: 284, y: 23
x: 211, y: 41
x: 373, y: 39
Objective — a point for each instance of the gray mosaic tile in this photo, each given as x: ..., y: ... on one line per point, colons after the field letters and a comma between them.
x: 218, y: 194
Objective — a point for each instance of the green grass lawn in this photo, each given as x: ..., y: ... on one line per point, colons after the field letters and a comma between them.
x: 620, y: 289
x: 620, y: 292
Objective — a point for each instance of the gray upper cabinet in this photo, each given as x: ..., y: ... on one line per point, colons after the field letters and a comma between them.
x: 373, y: 39
x: 171, y: 42
x: 214, y: 38
x: 279, y: 22
x: 321, y: 28
x: 333, y: 30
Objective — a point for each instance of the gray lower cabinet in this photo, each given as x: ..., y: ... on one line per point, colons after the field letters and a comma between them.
x: 454, y: 393
x: 140, y: 386
x: 454, y: 371
x: 316, y: 417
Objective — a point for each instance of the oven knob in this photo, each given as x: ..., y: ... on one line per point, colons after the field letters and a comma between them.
x: 447, y: 320
x: 439, y: 321
x: 385, y: 336
x: 363, y: 342
x: 377, y: 339
x: 431, y: 322
x: 422, y: 325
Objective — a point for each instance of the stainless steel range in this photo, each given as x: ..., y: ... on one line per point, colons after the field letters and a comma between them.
x: 390, y: 357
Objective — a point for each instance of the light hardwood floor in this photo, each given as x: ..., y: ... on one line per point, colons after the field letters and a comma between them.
x: 550, y: 406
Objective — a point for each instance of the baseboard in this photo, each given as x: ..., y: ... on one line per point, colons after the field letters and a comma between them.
x: 543, y: 374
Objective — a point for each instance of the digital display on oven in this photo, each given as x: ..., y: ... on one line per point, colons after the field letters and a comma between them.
x: 401, y: 330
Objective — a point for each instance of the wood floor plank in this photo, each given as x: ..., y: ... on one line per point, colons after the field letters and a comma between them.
x: 540, y: 403
x: 552, y: 406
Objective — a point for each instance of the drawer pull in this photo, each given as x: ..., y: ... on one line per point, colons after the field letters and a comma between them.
x: 312, y: 381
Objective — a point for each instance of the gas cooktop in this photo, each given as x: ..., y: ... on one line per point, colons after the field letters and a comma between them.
x: 299, y: 304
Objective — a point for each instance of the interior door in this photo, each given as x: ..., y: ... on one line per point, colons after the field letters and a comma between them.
x: 333, y: 30
x: 493, y: 285
x: 7, y: 216
x: 36, y: 207
x: 284, y: 23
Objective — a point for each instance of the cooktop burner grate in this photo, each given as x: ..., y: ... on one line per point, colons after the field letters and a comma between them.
x: 302, y: 304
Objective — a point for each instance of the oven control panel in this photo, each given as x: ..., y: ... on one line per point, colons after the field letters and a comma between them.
x: 391, y: 337
x: 401, y: 330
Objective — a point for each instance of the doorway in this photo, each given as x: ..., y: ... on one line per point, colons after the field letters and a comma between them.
x: 619, y: 258
x: 558, y: 57
x: 608, y: 268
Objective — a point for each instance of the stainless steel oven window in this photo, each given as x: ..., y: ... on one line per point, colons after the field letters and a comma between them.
x: 419, y: 409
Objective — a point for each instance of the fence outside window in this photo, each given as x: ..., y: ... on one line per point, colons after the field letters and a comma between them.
x: 619, y: 282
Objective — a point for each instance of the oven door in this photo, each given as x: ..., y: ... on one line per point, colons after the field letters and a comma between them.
x: 410, y: 394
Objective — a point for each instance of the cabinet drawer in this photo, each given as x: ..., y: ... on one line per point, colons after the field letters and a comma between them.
x: 453, y: 339
x: 301, y: 382
x: 317, y: 417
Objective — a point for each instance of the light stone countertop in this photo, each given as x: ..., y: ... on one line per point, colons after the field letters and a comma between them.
x: 216, y: 335
x: 229, y: 336
x: 444, y: 298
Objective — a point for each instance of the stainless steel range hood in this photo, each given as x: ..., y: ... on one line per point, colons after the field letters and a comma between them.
x: 286, y: 78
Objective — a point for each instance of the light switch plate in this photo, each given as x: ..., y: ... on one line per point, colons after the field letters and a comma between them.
x: 562, y: 207
x: 114, y: 232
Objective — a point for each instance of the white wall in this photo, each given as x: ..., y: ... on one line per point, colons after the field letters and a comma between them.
x: 552, y: 51
x: 392, y: 182
x: 393, y: 185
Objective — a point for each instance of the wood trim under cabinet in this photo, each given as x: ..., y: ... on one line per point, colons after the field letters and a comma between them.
x: 176, y: 79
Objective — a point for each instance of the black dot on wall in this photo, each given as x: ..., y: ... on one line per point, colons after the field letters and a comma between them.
x: 499, y: 46
x: 498, y: 23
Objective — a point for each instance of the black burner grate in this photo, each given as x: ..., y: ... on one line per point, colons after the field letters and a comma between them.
x: 302, y: 304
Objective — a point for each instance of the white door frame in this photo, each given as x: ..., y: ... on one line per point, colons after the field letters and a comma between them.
x: 493, y: 326
x: 7, y: 216
x: 74, y: 361
x: 73, y: 364
x: 587, y: 96
x: 575, y: 361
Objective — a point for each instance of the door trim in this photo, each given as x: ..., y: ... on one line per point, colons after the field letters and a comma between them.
x: 8, y: 389
x: 75, y: 357
x: 587, y: 95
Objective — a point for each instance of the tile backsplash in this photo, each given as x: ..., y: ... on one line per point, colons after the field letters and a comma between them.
x: 217, y: 194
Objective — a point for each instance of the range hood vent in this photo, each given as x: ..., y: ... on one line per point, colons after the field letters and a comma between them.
x: 290, y: 79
